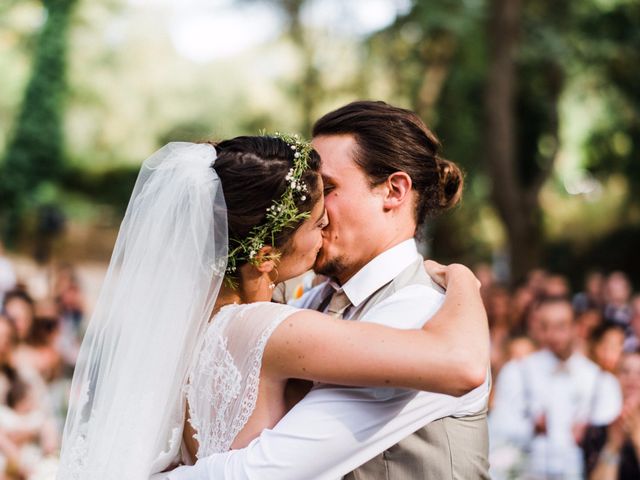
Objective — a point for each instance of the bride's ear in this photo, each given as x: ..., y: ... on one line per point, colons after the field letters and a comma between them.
x: 265, y: 259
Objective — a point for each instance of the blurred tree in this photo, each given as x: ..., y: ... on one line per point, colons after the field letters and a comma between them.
x: 306, y: 91
x: 524, y: 83
x: 610, y: 46
x: 36, y: 152
x: 448, y: 55
x: 5, y: 7
x: 435, y: 58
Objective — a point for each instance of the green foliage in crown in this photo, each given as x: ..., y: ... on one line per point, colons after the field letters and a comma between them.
x: 282, y: 214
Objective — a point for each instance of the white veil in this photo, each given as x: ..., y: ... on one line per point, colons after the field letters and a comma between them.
x: 169, y: 260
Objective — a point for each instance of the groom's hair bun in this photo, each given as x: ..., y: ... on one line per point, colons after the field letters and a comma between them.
x: 253, y: 171
x: 450, y: 185
x: 391, y: 139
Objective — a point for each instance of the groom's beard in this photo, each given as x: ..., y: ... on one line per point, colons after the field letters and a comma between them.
x: 331, y: 268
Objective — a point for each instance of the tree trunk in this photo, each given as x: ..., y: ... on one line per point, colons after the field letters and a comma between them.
x: 518, y: 208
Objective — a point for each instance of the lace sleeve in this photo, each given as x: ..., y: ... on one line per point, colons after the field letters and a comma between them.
x: 223, y: 385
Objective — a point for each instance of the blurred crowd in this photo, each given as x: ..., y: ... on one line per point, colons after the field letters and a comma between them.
x: 39, y: 342
x: 566, y: 369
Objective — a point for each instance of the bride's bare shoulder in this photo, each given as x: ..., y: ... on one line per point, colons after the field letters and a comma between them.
x: 256, y: 316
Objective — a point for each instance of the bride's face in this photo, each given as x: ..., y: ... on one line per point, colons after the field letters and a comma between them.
x: 301, y: 252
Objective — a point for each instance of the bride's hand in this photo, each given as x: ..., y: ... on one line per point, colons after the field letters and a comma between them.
x: 437, y: 272
x: 441, y: 274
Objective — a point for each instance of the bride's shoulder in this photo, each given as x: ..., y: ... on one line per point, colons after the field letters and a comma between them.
x: 257, y: 312
x: 256, y: 306
x: 240, y: 326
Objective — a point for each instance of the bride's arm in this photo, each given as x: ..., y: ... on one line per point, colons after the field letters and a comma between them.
x: 450, y: 354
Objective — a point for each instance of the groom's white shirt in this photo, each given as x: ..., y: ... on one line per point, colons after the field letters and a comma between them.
x: 333, y: 430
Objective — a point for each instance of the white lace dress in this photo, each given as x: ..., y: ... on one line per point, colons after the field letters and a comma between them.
x: 223, y: 385
x: 221, y: 392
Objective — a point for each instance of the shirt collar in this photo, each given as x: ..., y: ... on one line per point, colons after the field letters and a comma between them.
x: 556, y: 364
x: 379, y: 271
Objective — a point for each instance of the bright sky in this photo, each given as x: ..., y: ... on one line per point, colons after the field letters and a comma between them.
x: 204, y: 30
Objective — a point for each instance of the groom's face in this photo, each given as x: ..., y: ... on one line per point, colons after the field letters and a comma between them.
x: 355, y: 210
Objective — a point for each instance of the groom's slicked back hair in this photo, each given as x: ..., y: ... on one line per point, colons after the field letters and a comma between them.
x: 391, y: 139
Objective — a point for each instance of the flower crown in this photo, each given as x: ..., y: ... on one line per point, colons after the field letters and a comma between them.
x: 282, y: 214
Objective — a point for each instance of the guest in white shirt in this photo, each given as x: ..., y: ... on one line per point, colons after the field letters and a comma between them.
x: 544, y: 402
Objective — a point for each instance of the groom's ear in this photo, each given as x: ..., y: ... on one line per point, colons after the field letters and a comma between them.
x: 266, y: 259
x: 398, y: 190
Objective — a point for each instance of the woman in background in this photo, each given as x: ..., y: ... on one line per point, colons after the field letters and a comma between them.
x: 612, y: 452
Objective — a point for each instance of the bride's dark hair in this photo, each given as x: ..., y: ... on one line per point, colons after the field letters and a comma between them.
x: 252, y: 170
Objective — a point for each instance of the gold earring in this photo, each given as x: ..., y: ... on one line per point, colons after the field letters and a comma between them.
x: 272, y: 285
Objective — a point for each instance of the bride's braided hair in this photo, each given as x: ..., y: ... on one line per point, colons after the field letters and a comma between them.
x: 255, y: 172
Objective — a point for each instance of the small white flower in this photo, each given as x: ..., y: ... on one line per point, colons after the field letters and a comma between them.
x: 303, y: 198
x: 297, y: 155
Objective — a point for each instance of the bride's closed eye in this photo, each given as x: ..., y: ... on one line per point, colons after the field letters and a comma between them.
x: 324, y: 221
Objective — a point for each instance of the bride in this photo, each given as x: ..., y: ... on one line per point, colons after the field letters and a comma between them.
x: 186, y: 356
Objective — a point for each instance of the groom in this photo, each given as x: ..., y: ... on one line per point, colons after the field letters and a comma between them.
x: 377, y: 276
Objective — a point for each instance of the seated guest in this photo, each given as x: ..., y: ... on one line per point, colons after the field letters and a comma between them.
x: 632, y: 342
x: 20, y: 308
x: 612, y: 451
x: 544, y: 402
x: 556, y: 286
x: 40, y: 351
x: 606, y: 345
x: 69, y: 297
x: 497, y: 303
x: 586, y: 322
x: 592, y: 297
x: 617, y: 295
x: 27, y: 425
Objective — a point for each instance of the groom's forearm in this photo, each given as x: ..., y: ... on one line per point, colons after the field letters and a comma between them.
x: 333, y: 431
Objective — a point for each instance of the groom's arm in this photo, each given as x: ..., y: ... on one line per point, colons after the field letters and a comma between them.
x: 336, y: 429
x: 331, y: 432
